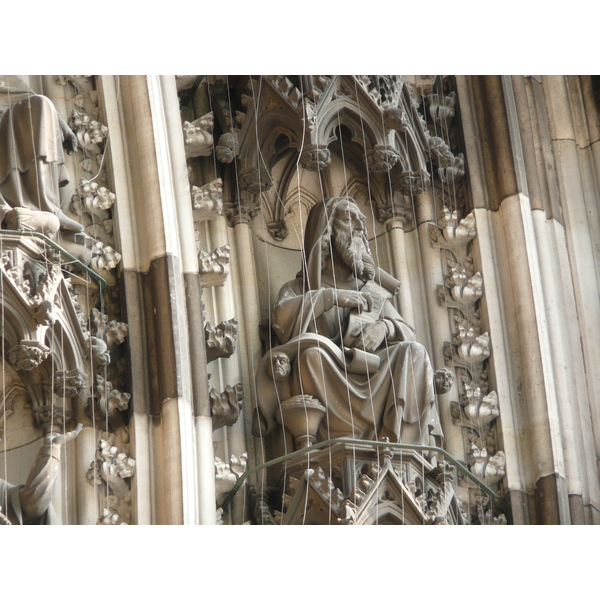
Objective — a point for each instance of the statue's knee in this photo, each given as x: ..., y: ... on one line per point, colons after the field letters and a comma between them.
x: 310, y: 356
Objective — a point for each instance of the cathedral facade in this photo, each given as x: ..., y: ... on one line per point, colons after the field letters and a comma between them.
x: 334, y: 300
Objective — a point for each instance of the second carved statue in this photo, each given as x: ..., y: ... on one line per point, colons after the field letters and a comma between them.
x: 347, y: 345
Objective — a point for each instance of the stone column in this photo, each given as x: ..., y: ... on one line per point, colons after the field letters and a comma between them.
x: 153, y: 240
x: 395, y: 229
x: 193, y: 291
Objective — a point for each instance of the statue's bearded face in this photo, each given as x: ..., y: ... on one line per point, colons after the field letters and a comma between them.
x: 350, y: 241
x: 279, y: 368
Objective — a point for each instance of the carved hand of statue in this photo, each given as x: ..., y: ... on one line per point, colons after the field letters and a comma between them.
x: 353, y: 299
x: 372, y: 336
x: 69, y: 138
x: 57, y: 439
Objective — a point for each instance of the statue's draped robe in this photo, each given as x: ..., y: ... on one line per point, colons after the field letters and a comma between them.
x: 35, y: 496
x: 31, y: 151
x: 396, y: 401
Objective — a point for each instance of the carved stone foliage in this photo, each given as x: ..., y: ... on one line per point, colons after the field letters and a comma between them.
x: 69, y: 383
x: 254, y: 180
x: 410, y: 183
x: 227, y: 474
x: 114, y: 467
x: 214, y: 266
x: 241, y: 210
x: 91, y: 204
x: 90, y: 133
x: 315, y: 158
x: 396, y: 209
x: 220, y: 340
x: 441, y: 108
x: 278, y: 230
x: 382, y: 158
x: 207, y: 201
x: 469, y: 350
x: 227, y: 147
x: 106, y: 399
x: 197, y: 136
x: 225, y: 406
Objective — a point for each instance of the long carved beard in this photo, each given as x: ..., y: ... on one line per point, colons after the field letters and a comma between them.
x: 351, y: 248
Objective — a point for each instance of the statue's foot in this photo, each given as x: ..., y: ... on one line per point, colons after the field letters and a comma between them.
x: 26, y: 219
x: 68, y: 224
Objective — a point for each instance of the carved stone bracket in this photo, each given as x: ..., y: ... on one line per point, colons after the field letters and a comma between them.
x: 225, y: 406
x: 220, y: 340
x: 214, y: 266
x: 207, y: 201
x: 28, y: 355
x: 198, y: 137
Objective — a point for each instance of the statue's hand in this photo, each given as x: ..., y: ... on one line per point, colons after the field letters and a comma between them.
x: 57, y: 439
x: 353, y: 299
x: 372, y: 336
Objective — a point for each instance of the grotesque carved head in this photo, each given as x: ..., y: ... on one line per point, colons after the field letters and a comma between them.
x: 443, y: 380
x: 279, y: 366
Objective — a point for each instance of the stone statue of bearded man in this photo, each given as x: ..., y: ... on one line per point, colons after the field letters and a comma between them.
x: 348, y: 346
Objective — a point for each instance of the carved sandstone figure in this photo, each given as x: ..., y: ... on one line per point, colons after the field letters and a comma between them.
x: 32, y: 135
x: 31, y: 504
x: 347, y: 344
